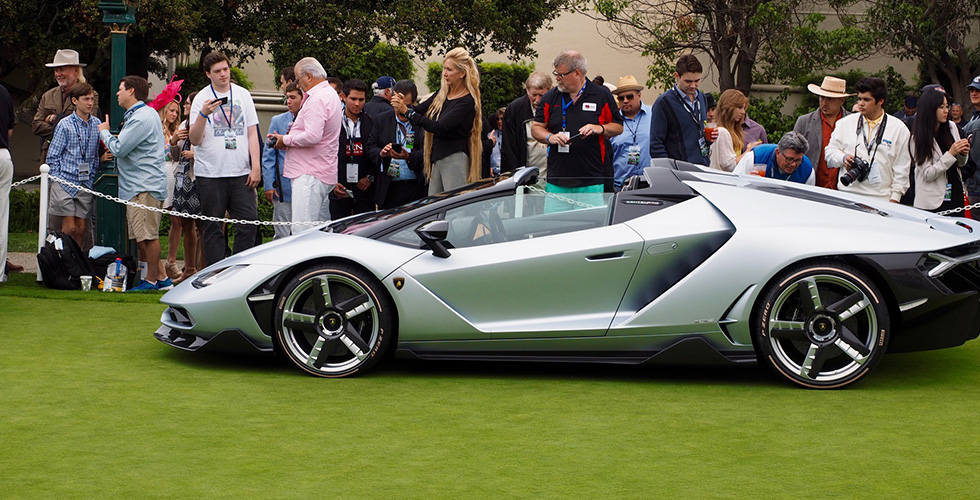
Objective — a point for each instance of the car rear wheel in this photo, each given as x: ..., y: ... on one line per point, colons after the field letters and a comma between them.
x: 333, y: 320
x: 821, y: 325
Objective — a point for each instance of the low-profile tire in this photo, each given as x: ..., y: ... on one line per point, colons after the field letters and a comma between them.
x: 821, y: 325
x: 334, y: 320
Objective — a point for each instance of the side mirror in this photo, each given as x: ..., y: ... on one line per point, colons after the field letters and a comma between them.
x: 433, y: 234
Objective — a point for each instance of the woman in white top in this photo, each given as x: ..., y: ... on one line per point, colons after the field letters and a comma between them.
x: 730, y: 145
x: 938, y: 155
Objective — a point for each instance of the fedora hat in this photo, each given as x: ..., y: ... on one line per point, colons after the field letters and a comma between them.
x: 627, y: 83
x: 830, y: 87
x: 65, y: 57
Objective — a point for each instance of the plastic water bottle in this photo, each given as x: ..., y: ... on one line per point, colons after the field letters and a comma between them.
x: 115, y: 277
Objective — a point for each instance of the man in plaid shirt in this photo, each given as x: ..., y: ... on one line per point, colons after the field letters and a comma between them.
x: 74, y: 156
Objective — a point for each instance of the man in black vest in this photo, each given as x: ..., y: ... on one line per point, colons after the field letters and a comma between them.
x: 356, y: 172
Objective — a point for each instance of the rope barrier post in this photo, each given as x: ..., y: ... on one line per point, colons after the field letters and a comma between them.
x: 42, y: 218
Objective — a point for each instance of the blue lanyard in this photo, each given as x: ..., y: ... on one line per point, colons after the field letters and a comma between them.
x: 78, y: 131
x: 565, y: 106
x: 695, y: 110
x: 231, y: 99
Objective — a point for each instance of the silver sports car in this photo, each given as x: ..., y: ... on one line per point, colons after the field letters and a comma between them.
x: 683, y: 265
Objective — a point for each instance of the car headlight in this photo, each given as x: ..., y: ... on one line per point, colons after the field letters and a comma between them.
x: 211, y: 277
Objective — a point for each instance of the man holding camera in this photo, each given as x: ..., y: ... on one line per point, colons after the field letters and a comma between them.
x: 871, y: 149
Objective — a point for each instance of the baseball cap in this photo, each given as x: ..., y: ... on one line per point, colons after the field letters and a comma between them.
x: 385, y: 82
x: 975, y: 84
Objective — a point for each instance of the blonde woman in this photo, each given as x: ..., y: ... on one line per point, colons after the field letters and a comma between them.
x: 730, y: 145
x: 170, y: 118
x: 452, y: 121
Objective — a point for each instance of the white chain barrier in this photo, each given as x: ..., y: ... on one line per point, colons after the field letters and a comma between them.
x: 975, y: 206
x: 25, y: 181
x: 171, y: 212
x: 559, y: 197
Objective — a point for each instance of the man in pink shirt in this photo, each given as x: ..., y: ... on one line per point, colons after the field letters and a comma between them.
x: 312, y: 144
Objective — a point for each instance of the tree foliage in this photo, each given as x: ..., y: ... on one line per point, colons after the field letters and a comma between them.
x: 777, y: 39
x: 940, y: 34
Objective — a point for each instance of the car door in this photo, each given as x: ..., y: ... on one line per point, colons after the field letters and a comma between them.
x: 518, y: 270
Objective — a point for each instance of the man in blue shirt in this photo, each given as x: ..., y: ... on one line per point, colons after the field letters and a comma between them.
x: 141, y: 158
x: 278, y: 189
x: 785, y: 161
x: 73, y: 155
x: 677, y: 125
x: 631, y: 149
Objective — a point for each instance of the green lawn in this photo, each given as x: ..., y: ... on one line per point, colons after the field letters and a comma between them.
x: 92, y: 406
x: 27, y: 242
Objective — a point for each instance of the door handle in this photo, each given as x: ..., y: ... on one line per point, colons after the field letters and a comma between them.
x: 606, y: 256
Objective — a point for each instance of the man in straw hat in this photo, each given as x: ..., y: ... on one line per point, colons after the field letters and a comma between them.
x: 56, y: 103
x: 817, y: 126
x: 631, y: 149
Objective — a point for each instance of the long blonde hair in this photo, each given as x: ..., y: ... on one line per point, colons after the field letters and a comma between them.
x: 727, y: 103
x: 471, y: 79
x: 169, y: 129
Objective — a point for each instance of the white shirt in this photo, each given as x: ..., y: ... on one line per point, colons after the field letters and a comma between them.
x: 211, y: 157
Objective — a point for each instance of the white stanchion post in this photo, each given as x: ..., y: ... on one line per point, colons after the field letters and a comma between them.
x: 42, y: 218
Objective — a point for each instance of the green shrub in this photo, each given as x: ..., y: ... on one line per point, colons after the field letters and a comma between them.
x: 769, y: 114
x: 24, y: 210
x: 500, y: 83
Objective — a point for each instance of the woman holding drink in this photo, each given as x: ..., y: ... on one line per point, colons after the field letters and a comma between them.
x: 730, y: 145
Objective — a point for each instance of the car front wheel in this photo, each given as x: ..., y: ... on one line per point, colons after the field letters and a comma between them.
x: 333, y: 320
x: 821, y: 325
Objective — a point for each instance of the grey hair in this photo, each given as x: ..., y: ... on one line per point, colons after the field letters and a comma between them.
x: 795, y: 141
x: 310, y: 66
x: 539, y: 80
x: 573, y: 60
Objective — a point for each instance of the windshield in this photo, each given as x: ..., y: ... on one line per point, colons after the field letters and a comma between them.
x: 356, y: 223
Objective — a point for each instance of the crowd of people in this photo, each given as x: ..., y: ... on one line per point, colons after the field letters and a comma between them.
x: 344, y: 148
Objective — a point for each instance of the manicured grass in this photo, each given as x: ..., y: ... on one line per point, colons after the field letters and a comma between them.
x: 22, y: 242
x: 92, y: 406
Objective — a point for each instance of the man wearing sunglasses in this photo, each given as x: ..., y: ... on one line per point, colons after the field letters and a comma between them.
x: 784, y: 161
x: 631, y: 149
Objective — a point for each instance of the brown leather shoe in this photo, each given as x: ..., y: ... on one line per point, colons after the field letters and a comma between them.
x: 14, y: 268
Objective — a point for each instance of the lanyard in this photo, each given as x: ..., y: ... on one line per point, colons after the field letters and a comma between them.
x: 695, y: 110
x: 565, y: 106
x: 633, y: 129
x: 78, y: 131
x: 231, y: 99
x: 129, y: 112
x: 401, y: 133
x: 878, y: 137
x: 349, y: 132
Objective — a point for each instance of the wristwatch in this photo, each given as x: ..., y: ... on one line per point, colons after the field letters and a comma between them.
x: 370, y: 178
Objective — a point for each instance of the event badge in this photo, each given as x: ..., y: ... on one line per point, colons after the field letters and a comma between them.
x: 231, y: 142
x: 179, y: 179
x: 394, y: 170
x: 874, y: 176
x: 351, y: 172
x: 588, y: 106
x: 410, y: 141
x: 949, y: 192
x: 566, y: 135
x: 703, y: 144
x: 633, y: 155
x: 83, y: 170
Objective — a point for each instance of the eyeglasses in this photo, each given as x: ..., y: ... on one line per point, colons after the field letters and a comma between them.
x: 562, y: 75
x: 627, y: 97
x: 791, y: 160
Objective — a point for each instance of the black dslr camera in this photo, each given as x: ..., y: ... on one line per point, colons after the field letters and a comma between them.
x: 858, y: 172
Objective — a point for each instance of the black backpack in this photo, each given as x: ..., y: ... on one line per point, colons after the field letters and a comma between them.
x: 101, y: 265
x: 62, y: 263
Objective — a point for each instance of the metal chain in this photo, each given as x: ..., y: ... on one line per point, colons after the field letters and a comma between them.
x: 960, y: 209
x: 559, y: 197
x: 25, y: 181
x: 182, y: 214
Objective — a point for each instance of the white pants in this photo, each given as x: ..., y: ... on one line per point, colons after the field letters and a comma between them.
x: 6, y: 178
x: 281, y: 212
x: 309, y: 194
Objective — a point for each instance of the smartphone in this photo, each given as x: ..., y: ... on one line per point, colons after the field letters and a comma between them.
x: 397, y: 148
x: 223, y: 101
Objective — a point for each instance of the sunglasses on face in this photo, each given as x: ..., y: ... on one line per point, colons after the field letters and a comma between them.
x: 627, y: 97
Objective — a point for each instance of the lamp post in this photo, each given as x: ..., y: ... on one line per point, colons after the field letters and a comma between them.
x: 110, y: 224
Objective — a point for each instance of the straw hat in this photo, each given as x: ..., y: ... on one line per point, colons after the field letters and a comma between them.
x: 627, y: 83
x: 830, y: 87
x: 65, y: 57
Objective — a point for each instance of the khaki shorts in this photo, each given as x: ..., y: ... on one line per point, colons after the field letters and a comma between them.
x: 61, y: 204
x: 143, y: 224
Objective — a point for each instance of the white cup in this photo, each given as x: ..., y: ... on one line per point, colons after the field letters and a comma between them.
x: 86, y: 283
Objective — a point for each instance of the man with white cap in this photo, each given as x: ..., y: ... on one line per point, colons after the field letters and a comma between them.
x: 56, y: 103
x: 974, y: 122
x: 631, y: 149
x: 817, y: 126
